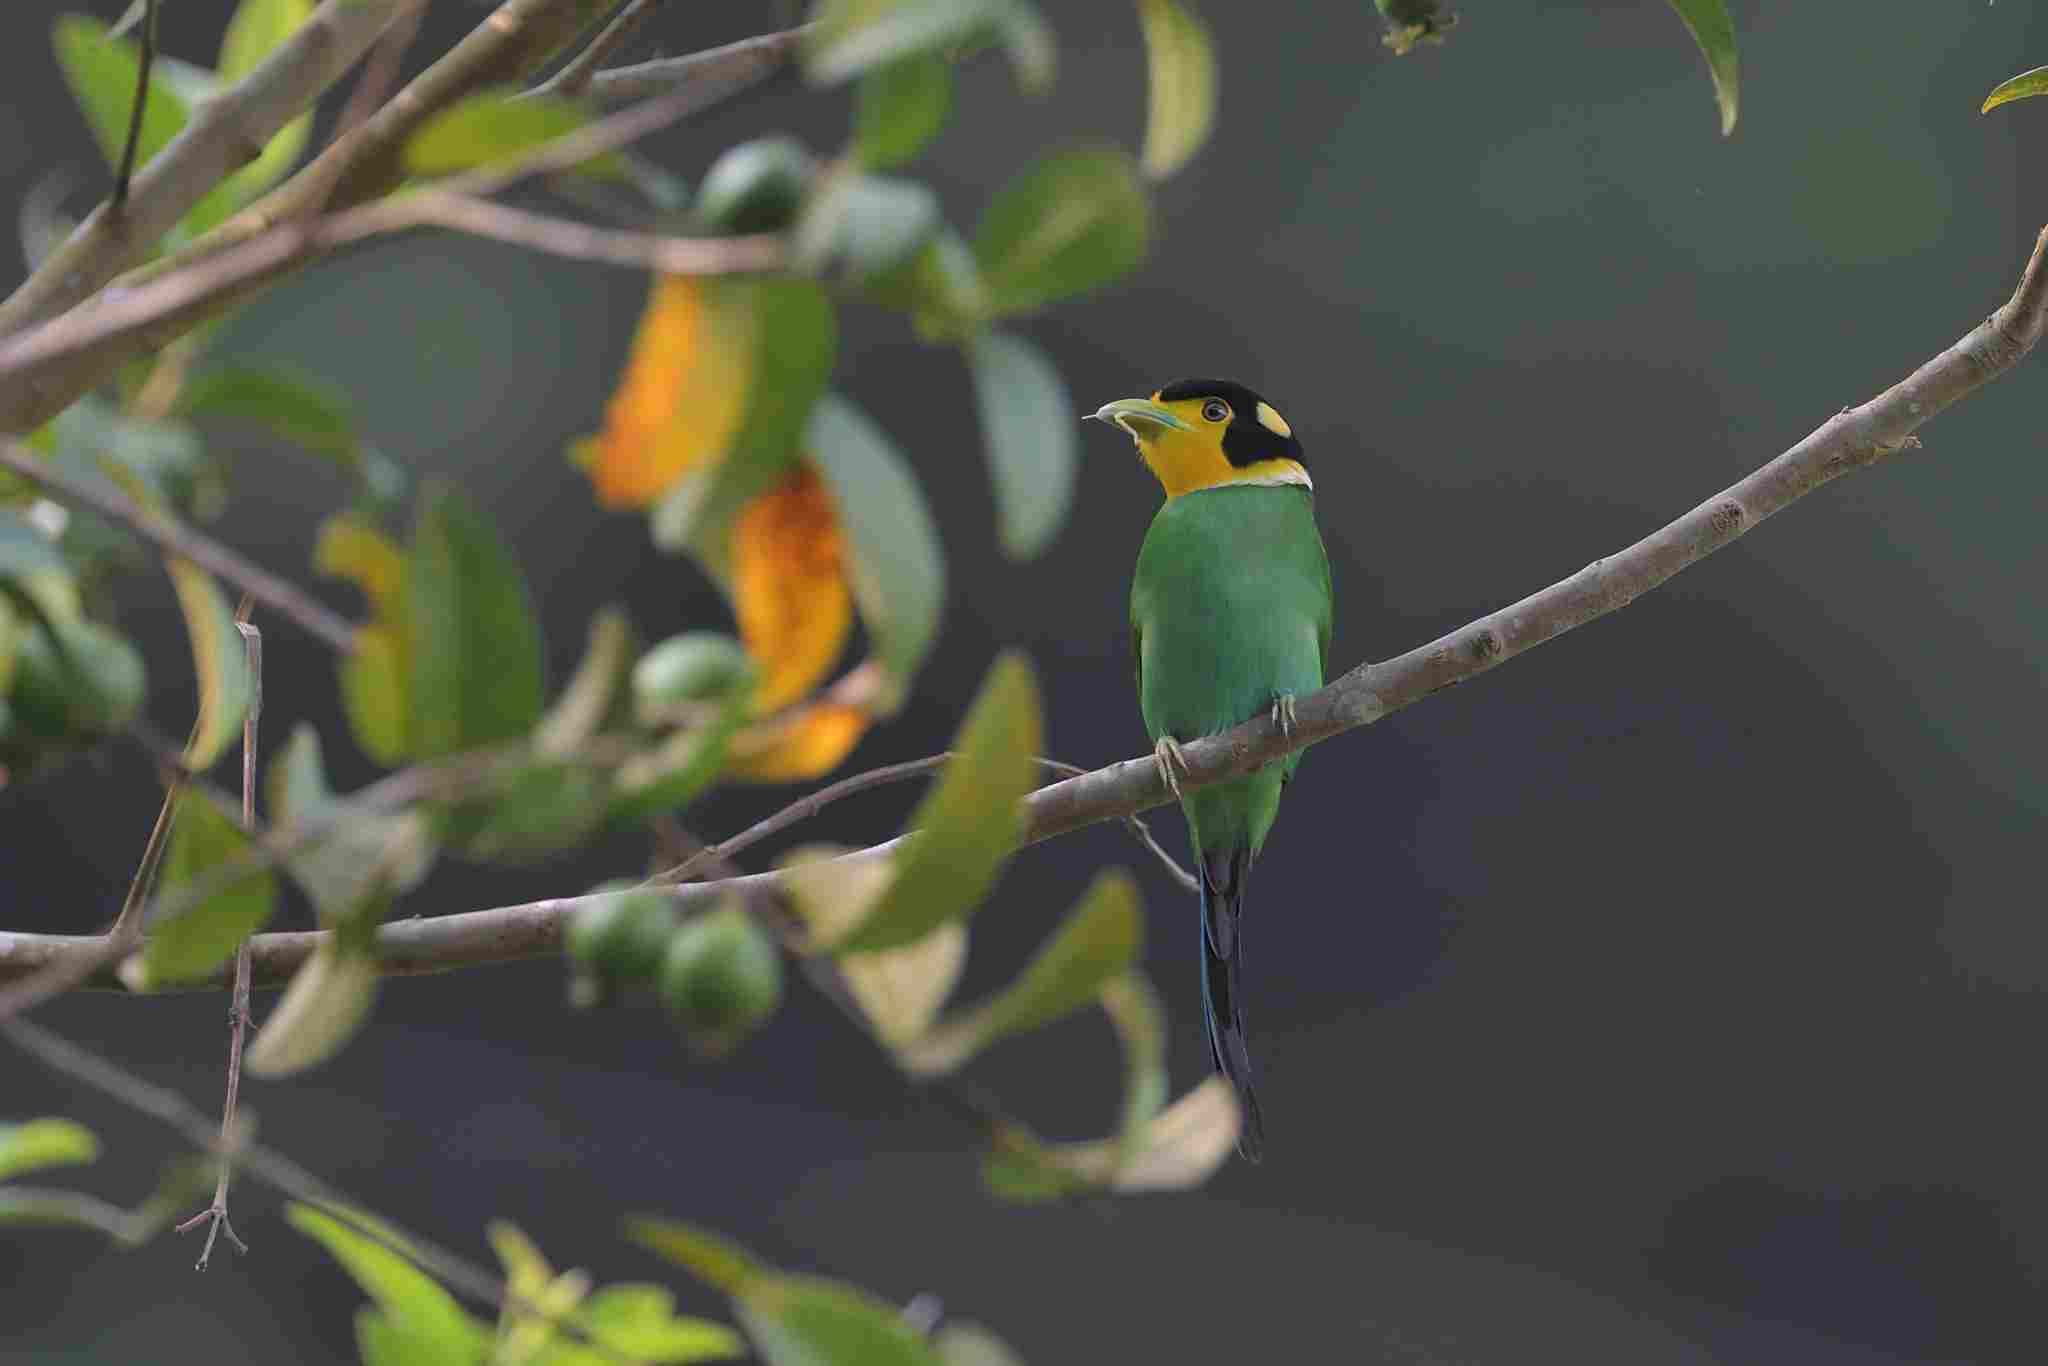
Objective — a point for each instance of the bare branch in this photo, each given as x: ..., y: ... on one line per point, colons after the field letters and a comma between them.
x: 225, y: 134
x: 1852, y: 439
x: 584, y: 242
x: 41, y: 367
x: 748, y: 61
x: 140, y: 103
x: 175, y: 539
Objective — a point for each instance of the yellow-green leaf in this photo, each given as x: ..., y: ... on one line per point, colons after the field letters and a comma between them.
x: 220, y: 661
x: 256, y: 30
x: 711, y: 1258
x: 1074, y: 221
x: 1140, y: 1022
x: 203, y: 840
x: 326, y: 1003
x: 44, y: 1143
x: 810, y: 1321
x: 639, y: 1322
x: 496, y: 125
x: 1094, y: 946
x: 899, y: 990
x: 414, y: 1302
x: 1714, y: 31
x: 2026, y: 85
x: 899, y: 108
x: 1181, y: 86
x: 473, y: 642
x: 969, y: 823
x: 102, y: 72
x: 595, y: 692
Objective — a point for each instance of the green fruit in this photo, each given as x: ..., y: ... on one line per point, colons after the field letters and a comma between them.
x: 619, y: 939
x: 756, y: 187
x: 722, y: 978
x: 695, y: 667
x: 92, y: 687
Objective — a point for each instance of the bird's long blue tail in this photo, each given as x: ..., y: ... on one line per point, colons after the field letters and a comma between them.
x: 1223, y: 881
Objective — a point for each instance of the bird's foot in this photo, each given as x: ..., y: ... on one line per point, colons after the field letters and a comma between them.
x: 1283, y: 713
x: 1166, y: 754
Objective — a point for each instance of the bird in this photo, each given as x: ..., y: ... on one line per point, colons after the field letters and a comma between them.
x: 1230, y: 619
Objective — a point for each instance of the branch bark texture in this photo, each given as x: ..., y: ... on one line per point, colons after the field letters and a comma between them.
x: 1852, y: 439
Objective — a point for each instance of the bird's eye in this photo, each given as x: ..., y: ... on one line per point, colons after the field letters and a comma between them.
x: 1216, y: 410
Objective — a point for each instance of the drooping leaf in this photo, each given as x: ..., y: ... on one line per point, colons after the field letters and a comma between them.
x: 1714, y: 31
x: 717, y: 1261
x: 304, y: 410
x: 899, y: 108
x: 376, y: 678
x: 415, y: 1304
x: 1180, y: 1148
x: 2026, y: 85
x: 366, y: 853
x: 497, y: 125
x: 899, y: 990
x: 848, y: 37
x: 894, y: 563
x: 789, y: 587
x: 324, y: 1005
x: 799, y: 744
x: 220, y: 662
x: 1095, y: 945
x: 682, y: 396
x: 473, y: 641
x: 1074, y: 221
x: 793, y: 344
x: 1181, y: 84
x: 968, y: 825
x: 1028, y: 423
x: 255, y: 31
x: 203, y: 840
x: 41, y: 1143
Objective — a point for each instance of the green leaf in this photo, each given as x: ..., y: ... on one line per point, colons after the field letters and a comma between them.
x: 900, y: 990
x: 711, y: 1258
x: 220, y: 662
x: 419, y: 1312
x: 256, y: 30
x: 894, y: 563
x: 876, y: 224
x: 595, y: 693
x: 810, y: 1321
x: 794, y: 343
x: 44, y: 1143
x: 2023, y: 86
x: 1074, y: 221
x: 364, y: 855
x: 1714, y: 31
x: 1095, y: 945
x: 204, y: 839
x: 102, y: 74
x: 968, y: 825
x: 497, y: 125
x: 848, y: 37
x: 326, y: 1002
x: 473, y: 641
x: 899, y: 108
x: 639, y: 1322
x: 673, y: 771
x: 539, y: 809
x: 380, y: 1341
x: 373, y: 690
x: 1181, y: 85
x: 1028, y: 42
x: 962, y: 1342
x: 1180, y: 1148
x: 1028, y: 421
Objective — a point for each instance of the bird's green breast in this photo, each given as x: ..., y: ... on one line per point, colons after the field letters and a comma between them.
x: 1230, y: 606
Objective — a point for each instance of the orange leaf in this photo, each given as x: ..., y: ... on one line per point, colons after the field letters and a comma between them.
x: 679, y: 401
x: 797, y: 745
x: 789, y: 587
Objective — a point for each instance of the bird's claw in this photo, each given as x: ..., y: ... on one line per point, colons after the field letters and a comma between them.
x: 1283, y: 714
x: 1166, y: 754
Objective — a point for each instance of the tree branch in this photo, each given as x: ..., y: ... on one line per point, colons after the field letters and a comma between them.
x: 173, y: 538
x: 1852, y: 439
x: 43, y: 370
x: 572, y: 78
x: 225, y: 134
x: 748, y: 60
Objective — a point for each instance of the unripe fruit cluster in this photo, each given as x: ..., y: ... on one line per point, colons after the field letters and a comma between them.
x: 718, y: 973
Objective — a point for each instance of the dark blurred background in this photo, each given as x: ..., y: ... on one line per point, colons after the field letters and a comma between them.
x: 1673, y: 994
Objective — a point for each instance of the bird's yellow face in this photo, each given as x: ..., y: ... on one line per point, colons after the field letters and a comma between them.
x: 1199, y: 434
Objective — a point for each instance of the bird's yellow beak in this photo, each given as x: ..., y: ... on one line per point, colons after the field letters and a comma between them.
x: 1140, y: 417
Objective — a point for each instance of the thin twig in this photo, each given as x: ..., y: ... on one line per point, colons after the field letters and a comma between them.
x: 173, y: 538
x: 571, y: 79
x: 585, y: 242
x: 215, y: 1215
x: 138, y: 105
x: 380, y: 73
x: 755, y: 58
x: 282, y: 1174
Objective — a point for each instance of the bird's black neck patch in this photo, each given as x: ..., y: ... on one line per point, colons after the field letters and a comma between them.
x: 1256, y: 431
